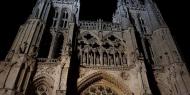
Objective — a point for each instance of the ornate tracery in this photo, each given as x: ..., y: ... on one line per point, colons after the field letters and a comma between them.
x: 108, y: 51
x: 100, y: 83
x: 99, y: 90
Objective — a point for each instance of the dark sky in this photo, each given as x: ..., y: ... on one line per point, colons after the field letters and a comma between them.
x: 15, y: 12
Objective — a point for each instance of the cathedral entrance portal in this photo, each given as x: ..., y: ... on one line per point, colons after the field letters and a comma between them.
x: 99, y: 89
x: 101, y: 84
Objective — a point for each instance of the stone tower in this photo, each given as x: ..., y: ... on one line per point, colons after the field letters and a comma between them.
x: 54, y: 53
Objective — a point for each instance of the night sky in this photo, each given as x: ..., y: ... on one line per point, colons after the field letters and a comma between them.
x: 15, y: 12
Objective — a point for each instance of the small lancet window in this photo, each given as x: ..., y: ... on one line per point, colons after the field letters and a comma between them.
x: 55, y: 18
x: 64, y: 19
x: 66, y: 15
x: 142, y: 24
x: 56, y: 14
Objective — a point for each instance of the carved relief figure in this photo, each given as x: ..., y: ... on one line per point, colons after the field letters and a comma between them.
x: 105, y: 59
x: 117, y: 59
x: 97, y: 58
x: 111, y: 59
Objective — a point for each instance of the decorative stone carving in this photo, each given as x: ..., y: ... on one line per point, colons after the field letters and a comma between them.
x: 65, y: 59
x: 2, y: 69
x: 23, y: 47
x: 60, y: 92
x: 97, y: 58
x: 41, y: 69
x: 99, y: 90
x: 82, y: 73
x: 124, y: 75
x: 42, y: 90
x: 50, y: 70
x: 107, y: 47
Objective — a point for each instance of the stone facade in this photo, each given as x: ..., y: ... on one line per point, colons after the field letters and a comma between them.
x: 54, y: 53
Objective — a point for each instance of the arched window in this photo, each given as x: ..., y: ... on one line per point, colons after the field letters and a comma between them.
x: 45, y: 44
x: 55, y: 18
x: 142, y: 24
x: 64, y: 19
x: 59, y: 46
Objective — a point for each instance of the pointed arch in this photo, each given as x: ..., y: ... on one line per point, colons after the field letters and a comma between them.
x: 45, y: 44
x: 43, y: 85
x: 107, y: 80
x: 43, y: 77
x: 58, y: 49
x: 55, y: 17
x: 65, y: 18
x: 66, y: 12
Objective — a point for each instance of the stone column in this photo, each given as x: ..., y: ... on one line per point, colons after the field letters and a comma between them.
x: 122, y: 59
x: 20, y: 78
x: 16, y: 41
x: 114, y: 60
x: 119, y: 58
x: 101, y: 58
x: 108, y: 59
x: 143, y: 77
x: 64, y: 66
x: 87, y: 58
x: 53, y: 43
x: 26, y: 80
x: 65, y: 43
x: 81, y: 56
x: 94, y: 61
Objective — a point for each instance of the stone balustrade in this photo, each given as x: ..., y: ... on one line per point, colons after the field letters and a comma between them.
x: 47, y: 60
x: 99, y: 25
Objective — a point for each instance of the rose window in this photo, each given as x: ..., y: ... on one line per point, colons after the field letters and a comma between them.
x: 98, y: 90
x: 42, y: 90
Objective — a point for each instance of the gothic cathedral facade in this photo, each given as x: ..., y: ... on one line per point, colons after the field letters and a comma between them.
x: 55, y: 53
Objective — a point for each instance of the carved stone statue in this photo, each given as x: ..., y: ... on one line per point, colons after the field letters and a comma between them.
x: 105, y: 59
